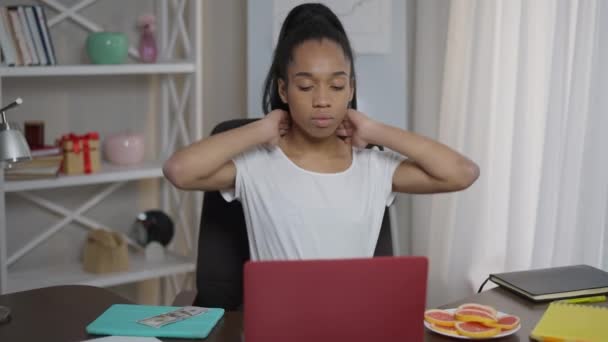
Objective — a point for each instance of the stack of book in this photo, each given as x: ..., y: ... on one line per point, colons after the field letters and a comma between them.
x: 45, y: 163
x: 25, y: 38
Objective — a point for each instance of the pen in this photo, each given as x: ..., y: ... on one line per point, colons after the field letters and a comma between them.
x: 594, y: 299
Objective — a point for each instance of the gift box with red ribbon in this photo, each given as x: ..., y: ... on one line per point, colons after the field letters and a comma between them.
x: 80, y: 153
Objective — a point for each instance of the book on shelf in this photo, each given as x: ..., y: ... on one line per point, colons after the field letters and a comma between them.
x: 43, y: 161
x: 23, y: 55
x: 25, y: 37
x: 45, y: 34
x: 554, y: 283
x: 7, y: 44
x: 46, y: 151
x: 37, y: 168
x: 36, y: 34
x: 31, y: 174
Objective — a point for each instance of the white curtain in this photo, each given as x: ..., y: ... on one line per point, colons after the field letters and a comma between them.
x: 521, y: 88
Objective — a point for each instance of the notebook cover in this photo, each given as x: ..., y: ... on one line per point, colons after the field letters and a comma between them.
x: 555, y: 283
x: 121, y: 319
x: 571, y: 322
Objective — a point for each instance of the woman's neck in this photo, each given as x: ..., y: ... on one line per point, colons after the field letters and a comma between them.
x: 298, y: 142
x: 327, y: 155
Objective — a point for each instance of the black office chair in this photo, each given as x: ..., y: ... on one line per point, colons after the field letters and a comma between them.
x: 223, y: 247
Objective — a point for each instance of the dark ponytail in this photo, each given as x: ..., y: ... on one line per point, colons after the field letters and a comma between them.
x: 304, y: 22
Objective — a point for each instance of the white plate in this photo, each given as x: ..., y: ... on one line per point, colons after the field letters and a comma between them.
x: 499, y: 315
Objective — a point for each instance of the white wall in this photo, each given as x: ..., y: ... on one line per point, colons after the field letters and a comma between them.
x: 224, y: 26
x: 381, y: 79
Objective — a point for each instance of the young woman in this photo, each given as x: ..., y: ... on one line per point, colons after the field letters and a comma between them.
x: 309, y: 187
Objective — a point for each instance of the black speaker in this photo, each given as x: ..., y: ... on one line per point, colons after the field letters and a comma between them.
x: 153, y: 225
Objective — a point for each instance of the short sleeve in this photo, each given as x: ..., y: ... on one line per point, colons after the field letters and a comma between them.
x: 387, y: 162
x: 240, y: 163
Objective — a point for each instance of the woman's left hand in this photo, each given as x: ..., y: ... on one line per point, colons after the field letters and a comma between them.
x: 353, y: 128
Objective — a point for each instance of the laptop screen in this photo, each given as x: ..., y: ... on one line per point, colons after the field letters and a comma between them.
x: 375, y: 299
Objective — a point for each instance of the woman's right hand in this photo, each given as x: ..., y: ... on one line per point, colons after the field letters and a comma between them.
x: 278, y: 124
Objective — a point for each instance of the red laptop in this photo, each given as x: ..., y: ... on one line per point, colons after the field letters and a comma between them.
x: 375, y: 299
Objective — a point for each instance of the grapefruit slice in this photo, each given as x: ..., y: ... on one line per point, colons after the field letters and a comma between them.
x: 446, y: 330
x: 476, y: 330
x: 439, y: 317
x: 475, y: 306
x: 471, y: 315
x: 507, y: 322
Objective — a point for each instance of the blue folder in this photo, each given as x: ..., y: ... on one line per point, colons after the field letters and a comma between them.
x: 121, y: 319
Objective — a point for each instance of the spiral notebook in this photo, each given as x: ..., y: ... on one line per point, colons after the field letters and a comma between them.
x: 572, y: 322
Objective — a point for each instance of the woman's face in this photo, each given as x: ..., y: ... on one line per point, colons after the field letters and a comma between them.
x: 318, y: 89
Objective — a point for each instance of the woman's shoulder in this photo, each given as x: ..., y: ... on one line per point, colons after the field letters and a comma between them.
x: 259, y: 153
x: 375, y: 154
x: 367, y: 151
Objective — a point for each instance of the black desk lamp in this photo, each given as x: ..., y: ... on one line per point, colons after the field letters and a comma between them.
x: 13, y: 149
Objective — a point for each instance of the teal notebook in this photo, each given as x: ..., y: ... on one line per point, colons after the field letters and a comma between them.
x: 121, y: 319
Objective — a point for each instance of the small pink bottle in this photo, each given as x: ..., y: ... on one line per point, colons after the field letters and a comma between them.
x: 147, y: 41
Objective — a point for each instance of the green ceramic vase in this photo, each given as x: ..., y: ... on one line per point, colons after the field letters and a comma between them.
x: 107, y: 47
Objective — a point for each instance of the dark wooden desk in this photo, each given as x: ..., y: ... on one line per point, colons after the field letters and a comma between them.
x: 54, y: 313
x: 61, y: 314
x: 505, y: 301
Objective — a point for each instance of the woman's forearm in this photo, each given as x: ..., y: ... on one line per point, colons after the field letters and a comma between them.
x: 205, y: 157
x: 436, y: 159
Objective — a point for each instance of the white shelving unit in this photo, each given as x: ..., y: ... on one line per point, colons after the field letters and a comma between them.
x: 108, y: 173
x: 139, y: 269
x: 93, y: 70
x: 180, y: 122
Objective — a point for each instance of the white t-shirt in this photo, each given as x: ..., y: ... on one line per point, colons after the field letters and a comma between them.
x: 293, y: 213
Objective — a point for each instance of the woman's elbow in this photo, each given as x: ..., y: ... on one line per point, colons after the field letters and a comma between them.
x: 467, y: 175
x: 174, y: 171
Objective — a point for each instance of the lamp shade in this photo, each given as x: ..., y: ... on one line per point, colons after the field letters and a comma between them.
x: 13, y: 146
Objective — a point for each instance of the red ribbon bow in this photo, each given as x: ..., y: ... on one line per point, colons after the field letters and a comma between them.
x: 76, y: 140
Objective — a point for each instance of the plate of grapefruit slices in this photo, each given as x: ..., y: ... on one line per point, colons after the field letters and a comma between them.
x: 471, y: 321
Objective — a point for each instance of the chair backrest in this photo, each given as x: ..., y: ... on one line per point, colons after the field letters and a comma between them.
x: 223, y: 247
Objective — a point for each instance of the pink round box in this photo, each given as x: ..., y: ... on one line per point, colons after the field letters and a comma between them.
x: 124, y: 148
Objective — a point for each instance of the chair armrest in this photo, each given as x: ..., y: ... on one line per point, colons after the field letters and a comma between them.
x: 185, y: 298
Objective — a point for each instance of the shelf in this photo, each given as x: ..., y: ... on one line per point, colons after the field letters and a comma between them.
x: 93, y: 69
x: 139, y: 269
x: 172, y: 86
x: 108, y: 173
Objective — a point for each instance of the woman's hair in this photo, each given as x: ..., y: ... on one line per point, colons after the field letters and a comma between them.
x: 304, y: 22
